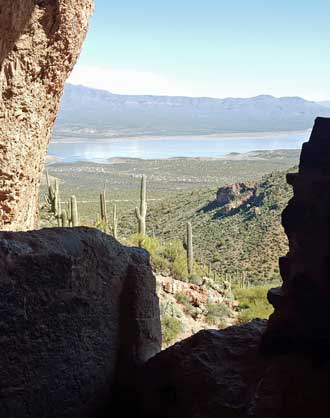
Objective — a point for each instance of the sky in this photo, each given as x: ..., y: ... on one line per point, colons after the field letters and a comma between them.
x: 213, y: 48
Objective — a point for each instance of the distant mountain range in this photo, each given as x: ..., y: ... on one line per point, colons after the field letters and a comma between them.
x: 86, y: 111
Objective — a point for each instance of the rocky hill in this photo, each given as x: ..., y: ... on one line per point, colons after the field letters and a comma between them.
x: 236, y: 228
x: 86, y: 111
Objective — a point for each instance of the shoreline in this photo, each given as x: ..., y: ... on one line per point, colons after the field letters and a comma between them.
x: 255, y: 155
x: 223, y: 136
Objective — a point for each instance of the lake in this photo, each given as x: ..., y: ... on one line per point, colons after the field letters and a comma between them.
x: 168, y: 147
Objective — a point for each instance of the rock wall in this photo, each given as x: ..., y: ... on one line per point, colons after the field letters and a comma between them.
x: 78, y: 315
x: 40, y: 41
x: 300, y: 321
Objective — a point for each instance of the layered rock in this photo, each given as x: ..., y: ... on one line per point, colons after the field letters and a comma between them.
x: 78, y: 315
x: 40, y: 41
x: 300, y: 321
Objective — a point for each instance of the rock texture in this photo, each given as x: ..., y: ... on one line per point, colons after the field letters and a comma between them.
x: 78, y: 315
x: 39, y: 44
x: 221, y: 374
x: 235, y: 195
x: 300, y: 321
x: 190, y: 304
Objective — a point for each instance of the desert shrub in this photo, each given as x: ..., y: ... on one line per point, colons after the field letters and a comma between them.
x: 182, y: 298
x: 173, y: 249
x: 253, y: 303
x: 152, y: 245
x: 179, y: 268
x: 216, y: 313
x: 171, y: 328
x: 160, y: 264
x: 195, y: 279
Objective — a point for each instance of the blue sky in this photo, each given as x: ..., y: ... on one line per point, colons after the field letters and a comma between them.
x: 216, y: 48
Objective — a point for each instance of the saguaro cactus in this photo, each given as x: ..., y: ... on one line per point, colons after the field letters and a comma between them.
x: 104, y: 215
x: 114, y: 222
x: 69, y: 214
x: 103, y: 204
x: 142, y: 211
x: 53, y: 199
x: 64, y: 219
x: 53, y: 195
x: 190, y: 251
x: 74, y: 212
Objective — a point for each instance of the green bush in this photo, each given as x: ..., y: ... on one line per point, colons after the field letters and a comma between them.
x: 253, y: 303
x: 171, y: 329
x: 195, y: 279
x: 160, y: 264
x: 182, y: 298
x: 152, y: 245
x: 179, y: 268
x: 173, y: 249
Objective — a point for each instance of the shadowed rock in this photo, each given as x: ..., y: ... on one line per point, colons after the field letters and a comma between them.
x: 78, y: 315
x: 300, y: 321
x: 221, y: 374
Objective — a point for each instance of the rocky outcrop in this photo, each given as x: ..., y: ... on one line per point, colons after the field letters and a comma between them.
x: 235, y: 195
x: 78, y: 315
x: 300, y: 321
x: 194, y: 306
x: 39, y: 44
x: 222, y: 374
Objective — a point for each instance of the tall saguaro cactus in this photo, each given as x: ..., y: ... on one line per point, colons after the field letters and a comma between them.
x: 190, y: 251
x: 103, y: 204
x: 115, y: 222
x: 64, y: 219
x: 53, y: 199
x: 141, y: 212
x: 104, y: 215
x: 74, y: 211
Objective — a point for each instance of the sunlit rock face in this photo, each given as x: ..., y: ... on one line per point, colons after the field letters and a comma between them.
x: 40, y: 41
x: 79, y: 315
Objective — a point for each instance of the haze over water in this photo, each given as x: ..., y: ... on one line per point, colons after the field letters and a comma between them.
x: 168, y: 147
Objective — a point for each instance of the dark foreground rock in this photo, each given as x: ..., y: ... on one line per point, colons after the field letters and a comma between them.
x: 221, y: 374
x: 300, y: 322
x: 78, y: 314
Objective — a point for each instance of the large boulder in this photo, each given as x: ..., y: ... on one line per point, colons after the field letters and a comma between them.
x: 221, y: 374
x: 40, y: 41
x: 78, y: 316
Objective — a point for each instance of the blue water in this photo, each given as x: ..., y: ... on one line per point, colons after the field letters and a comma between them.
x: 96, y: 151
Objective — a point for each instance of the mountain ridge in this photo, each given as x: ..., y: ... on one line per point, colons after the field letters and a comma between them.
x: 88, y: 111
